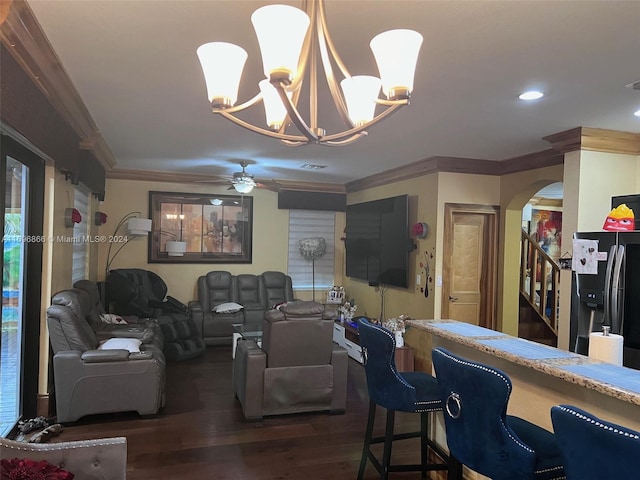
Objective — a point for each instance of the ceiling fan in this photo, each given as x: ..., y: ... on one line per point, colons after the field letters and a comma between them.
x: 243, y: 182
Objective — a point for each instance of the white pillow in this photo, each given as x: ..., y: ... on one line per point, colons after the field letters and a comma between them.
x: 111, y: 318
x: 229, y: 307
x: 131, y: 344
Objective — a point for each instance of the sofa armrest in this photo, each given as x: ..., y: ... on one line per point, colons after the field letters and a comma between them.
x: 340, y: 364
x: 249, y: 365
x: 104, y: 458
x: 101, y: 356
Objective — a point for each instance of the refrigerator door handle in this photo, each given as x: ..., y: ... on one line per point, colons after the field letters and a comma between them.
x: 607, y: 286
x: 616, y: 285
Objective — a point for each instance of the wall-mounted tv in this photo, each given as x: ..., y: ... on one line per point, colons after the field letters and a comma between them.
x: 378, y: 242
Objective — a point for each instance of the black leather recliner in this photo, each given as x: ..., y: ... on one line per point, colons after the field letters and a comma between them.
x: 134, y: 291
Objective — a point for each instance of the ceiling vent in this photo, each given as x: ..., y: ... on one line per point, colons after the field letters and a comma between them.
x: 311, y: 166
x: 634, y: 85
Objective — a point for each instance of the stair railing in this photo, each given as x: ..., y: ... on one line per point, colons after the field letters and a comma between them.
x: 539, y: 280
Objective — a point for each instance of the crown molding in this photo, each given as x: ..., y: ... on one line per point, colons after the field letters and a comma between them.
x: 595, y: 139
x: 472, y: 166
x: 23, y: 37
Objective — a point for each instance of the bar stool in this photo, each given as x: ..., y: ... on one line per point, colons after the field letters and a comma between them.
x: 479, y: 432
x: 415, y: 392
x: 594, y: 448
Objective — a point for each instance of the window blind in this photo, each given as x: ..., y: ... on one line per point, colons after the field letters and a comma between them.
x: 305, y: 224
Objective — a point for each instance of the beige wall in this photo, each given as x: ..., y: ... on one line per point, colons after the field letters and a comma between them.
x: 270, y: 235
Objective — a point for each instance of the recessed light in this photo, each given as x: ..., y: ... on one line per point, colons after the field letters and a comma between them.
x: 637, y: 113
x: 531, y: 95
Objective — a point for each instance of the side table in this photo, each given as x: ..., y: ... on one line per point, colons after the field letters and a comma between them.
x: 404, y: 359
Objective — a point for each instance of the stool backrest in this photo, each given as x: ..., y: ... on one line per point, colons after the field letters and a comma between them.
x: 594, y: 448
x: 386, y: 386
x: 475, y: 398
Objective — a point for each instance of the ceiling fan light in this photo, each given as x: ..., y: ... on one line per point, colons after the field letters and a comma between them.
x: 222, y: 64
x: 281, y: 30
x: 274, y: 109
x: 396, y: 53
x: 243, y: 186
x: 360, y: 93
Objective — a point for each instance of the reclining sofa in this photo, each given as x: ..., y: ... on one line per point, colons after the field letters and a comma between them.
x: 91, y: 380
x: 225, y: 299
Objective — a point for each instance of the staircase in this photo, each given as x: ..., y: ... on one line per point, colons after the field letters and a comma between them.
x: 539, y: 294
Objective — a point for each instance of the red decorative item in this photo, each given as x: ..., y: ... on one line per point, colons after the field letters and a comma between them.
x: 420, y: 230
x: 100, y: 218
x: 71, y: 217
x: 26, y: 469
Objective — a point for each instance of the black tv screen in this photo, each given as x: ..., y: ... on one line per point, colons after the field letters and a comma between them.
x: 378, y: 242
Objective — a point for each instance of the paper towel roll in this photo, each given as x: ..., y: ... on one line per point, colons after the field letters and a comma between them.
x: 607, y: 348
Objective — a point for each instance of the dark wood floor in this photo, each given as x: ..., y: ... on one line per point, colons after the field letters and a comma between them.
x: 201, y: 433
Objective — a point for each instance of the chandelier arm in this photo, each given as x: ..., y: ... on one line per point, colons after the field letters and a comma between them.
x: 239, y: 108
x: 329, y: 42
x: 392, y: 103
x: 262, y: 131
x: 336, y: 92
x: 361, y: 128
x: 295, y: 116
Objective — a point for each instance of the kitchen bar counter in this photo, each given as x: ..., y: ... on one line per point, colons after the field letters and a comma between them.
x: 542, y: 376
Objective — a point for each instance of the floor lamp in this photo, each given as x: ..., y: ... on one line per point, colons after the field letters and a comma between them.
x: 312, y: 248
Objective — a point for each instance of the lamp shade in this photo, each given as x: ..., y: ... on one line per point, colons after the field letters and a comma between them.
x: 360, y: 93
x: 139, y: 226
x: 313, y: 247
x: 281, y: 30
x: 274, y: 109
x: 176, y: 249
x: 244, y: 185
x: 222, y: 64
x: 396, y: 53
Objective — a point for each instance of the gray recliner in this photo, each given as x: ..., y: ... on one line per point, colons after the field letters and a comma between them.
x: 91, y: 381
x: 298, y: 368
x: 251, y: 296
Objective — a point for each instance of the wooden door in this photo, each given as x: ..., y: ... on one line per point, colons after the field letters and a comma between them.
x: 469, y: 266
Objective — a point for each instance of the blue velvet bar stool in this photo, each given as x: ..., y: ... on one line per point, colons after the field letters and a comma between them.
x: 480, y: 434
x: 415, y: 392
x: 593, y: 448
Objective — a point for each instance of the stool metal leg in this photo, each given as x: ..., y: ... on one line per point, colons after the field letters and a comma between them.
x: 424, y: 444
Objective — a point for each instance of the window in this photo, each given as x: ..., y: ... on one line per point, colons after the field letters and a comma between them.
x: 80, y: 232
x: 307, y: 224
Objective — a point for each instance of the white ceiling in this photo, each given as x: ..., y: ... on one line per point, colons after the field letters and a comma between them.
x: 134, y: 64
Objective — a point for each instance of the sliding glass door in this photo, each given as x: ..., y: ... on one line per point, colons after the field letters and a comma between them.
x: 22, y: 177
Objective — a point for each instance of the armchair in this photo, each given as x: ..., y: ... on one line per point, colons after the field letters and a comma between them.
x: 214, y: 289
x: 298, y: 368
x: 97, y: 459
x: 89, y: 380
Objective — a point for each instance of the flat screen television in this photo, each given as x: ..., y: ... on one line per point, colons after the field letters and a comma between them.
x: 378, y: 242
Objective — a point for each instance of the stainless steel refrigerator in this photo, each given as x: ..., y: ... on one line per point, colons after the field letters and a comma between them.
x: 611, y: 296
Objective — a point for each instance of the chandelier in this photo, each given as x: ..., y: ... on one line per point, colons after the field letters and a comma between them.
x: 291, y: 41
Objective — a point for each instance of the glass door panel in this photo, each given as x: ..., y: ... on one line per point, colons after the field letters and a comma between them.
x: 13, y: 278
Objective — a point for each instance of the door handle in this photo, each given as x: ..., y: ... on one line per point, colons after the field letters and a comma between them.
x: 453, y: 299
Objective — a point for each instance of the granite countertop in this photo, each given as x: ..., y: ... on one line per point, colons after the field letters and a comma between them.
x: 619, y: 382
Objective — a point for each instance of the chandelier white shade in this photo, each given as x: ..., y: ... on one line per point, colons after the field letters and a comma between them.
x: 397, y: 70
x: 281, y: 30
x: 222, y: 86
x: 293, y: 44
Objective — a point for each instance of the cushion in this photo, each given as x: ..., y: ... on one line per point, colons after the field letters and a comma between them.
x: 111, y: 318
x: 130, y: 344
x: 228, y: 307
x: 27, y: 468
